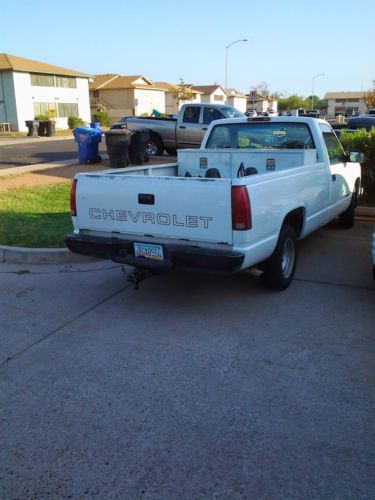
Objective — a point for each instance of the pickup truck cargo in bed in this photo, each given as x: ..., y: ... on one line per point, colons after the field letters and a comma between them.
x: 242, y: 200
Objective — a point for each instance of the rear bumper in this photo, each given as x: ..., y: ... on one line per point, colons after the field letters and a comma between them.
x: 175, y: 256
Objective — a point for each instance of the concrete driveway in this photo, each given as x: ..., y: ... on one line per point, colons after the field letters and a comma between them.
x: 192, y: 386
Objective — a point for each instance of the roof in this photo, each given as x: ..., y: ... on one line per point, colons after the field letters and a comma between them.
x: 9, y: 62
x: 116, y: 82
x: 99, y: 80
x: 234, y: 93
x: 345, y: 95
x: 169, y: 86
x: 207, y: 89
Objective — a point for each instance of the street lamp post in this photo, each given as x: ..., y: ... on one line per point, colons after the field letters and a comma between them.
x: 226, y: 59
x: 313, y: 85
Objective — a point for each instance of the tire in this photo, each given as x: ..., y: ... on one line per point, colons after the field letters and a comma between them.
x: 346, y: 219
x: 155, y: 146
x: 279, y: 269
x: 171, y: 151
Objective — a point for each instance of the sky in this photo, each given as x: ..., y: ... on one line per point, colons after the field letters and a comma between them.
x: 289, y: 42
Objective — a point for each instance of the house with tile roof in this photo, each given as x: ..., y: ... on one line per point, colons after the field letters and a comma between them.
x: 125, y: 95
x: 29, y: 88
x: 346, y: 103
x: 172, y: 107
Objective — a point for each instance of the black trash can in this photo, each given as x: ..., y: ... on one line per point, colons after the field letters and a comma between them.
x: 117, y: 141
x: 42, y: 132
x: 50, y: 128
x: 138, y: 146
x: 33, y: 126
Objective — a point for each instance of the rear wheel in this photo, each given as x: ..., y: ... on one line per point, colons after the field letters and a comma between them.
x: 171, y: 151
x: 279, y: 269
x: 154, y: 146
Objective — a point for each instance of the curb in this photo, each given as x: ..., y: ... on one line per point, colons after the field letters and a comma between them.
x: 365, y: 211
x: 21, y: 255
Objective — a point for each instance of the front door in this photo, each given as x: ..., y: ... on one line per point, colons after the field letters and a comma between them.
x: 340, y: 190
x: 188, y: 132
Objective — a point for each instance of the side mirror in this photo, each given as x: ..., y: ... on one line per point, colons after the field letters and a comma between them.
x: 345, y: 157
x: 356, y: 157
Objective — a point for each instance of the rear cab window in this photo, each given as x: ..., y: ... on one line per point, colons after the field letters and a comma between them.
x: 261, y: 135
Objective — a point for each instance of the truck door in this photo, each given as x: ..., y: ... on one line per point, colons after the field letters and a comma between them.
x: 188, y: 133
x: 339, y: 190
x: 209, y: 115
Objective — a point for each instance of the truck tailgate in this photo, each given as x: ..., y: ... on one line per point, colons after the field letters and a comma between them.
x: 169, y: 207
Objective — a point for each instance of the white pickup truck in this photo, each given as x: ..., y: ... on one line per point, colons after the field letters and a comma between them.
x: 242, y: 200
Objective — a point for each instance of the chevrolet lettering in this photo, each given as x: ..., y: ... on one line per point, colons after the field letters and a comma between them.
x: 162, y: 219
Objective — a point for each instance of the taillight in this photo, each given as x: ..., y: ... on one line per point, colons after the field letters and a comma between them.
x: 241, y: 209
x: 73, y: 205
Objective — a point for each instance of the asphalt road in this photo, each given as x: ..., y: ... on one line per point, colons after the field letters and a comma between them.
x: 16, y: 155
x: 193, y: 386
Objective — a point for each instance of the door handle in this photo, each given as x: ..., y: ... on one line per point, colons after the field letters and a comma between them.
x: 182, y: 126
x: 333, y: 177
x: 204, y: 128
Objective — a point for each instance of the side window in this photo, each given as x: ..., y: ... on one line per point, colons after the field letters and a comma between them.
x: 211, y: 114
x: 334, y: 147
x: 191, y: 114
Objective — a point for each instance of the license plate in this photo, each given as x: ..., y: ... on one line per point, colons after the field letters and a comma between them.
x: 148, y: 251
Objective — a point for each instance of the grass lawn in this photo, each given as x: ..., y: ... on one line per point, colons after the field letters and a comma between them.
x: 35, y: 216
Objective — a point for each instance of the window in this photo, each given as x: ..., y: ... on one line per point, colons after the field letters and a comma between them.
x: 41, y: 108
x: 262, y: 135
x: 191, y: 114
x: 66, y: 109
x: 67, y: 82
x: 211, y: 114
x: 40, y: 80
x: 334, y: 148
x: 218, y: 98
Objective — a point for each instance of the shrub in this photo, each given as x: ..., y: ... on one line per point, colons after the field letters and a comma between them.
x: 74, y: 121
x: 363, y: 141
x: 101, y: 117
x: 41, y: 117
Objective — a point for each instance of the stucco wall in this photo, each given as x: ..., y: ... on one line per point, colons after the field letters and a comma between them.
x: 237, y: 102
x: 146, y: 100
x: 210, y: 98
x: 26, y: 95
x: 117, y: 99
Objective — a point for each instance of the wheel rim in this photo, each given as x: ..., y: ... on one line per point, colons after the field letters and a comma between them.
x: 151, y: 149
x: 287, y: 258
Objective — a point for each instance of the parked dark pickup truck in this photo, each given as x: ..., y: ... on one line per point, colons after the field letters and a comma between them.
x: 185, y: 131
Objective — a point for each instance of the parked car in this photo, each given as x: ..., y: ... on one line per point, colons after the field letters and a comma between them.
x: 371, y: 112
x: 366, y: 122
x: 185, y: 131
x: 251, y: 112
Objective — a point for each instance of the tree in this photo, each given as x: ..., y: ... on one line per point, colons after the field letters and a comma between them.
x: 370, y: 97
x: 291, y: 102
x: 182, y: 92
x: 318, y: 103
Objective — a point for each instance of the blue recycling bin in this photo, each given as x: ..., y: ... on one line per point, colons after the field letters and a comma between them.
x: 88, y: 144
